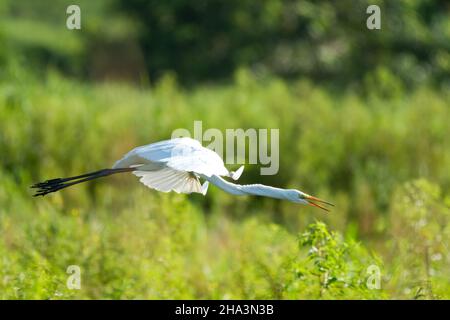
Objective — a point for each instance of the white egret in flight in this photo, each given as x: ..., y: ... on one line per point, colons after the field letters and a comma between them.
x: 179, y: 165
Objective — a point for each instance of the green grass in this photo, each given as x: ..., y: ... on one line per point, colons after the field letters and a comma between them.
x: 383, y: 160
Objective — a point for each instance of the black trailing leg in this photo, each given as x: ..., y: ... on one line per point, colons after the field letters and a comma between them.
x: 57, y: 184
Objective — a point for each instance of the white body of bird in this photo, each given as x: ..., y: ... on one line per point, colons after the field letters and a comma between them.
x: 179, y: 165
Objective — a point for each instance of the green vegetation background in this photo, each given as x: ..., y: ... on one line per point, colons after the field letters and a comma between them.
x: 374, y: 140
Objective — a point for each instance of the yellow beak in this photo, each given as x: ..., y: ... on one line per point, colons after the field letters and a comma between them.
x: 311, y: 199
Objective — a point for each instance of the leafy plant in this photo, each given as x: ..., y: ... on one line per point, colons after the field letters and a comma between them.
x: 334, y: 268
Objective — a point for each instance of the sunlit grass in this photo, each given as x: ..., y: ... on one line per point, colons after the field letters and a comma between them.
x: 364, y: 154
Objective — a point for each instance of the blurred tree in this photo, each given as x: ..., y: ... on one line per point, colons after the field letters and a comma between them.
x: 324, y: 40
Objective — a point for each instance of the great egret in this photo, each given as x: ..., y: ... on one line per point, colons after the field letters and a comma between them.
x: 178, y: 165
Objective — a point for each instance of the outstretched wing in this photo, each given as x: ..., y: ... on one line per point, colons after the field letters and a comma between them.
x: 180, y: 154
x: 168, y: 179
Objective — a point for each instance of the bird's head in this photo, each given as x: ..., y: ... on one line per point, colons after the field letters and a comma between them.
x: 303, y: 198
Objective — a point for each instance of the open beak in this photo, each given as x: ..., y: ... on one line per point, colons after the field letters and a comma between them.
x: 312, y: 201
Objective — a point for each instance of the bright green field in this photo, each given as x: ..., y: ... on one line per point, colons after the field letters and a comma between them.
x: 384, y: 160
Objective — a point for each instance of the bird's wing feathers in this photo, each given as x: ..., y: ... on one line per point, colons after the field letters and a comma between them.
x: 155, y: 152
x: 201, y: 161
x: 181, y: 154
x: 167, y: 179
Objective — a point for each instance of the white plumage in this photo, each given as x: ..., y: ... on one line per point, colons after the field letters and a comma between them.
x: 178, y: 165
x: 175, y: 165
x: 166, y: 180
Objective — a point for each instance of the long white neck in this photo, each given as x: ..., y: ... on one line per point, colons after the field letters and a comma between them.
x: 251, y: 189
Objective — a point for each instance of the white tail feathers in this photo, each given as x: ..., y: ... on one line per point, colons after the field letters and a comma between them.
x: 236, y: 174
x: 205, y: 186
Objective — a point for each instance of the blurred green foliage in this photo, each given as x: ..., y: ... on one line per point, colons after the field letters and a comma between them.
x: 326, y: 41
x: 334, y: 268
x: 363, y: 154
x: 363, y: 118
x: 417, y: 208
